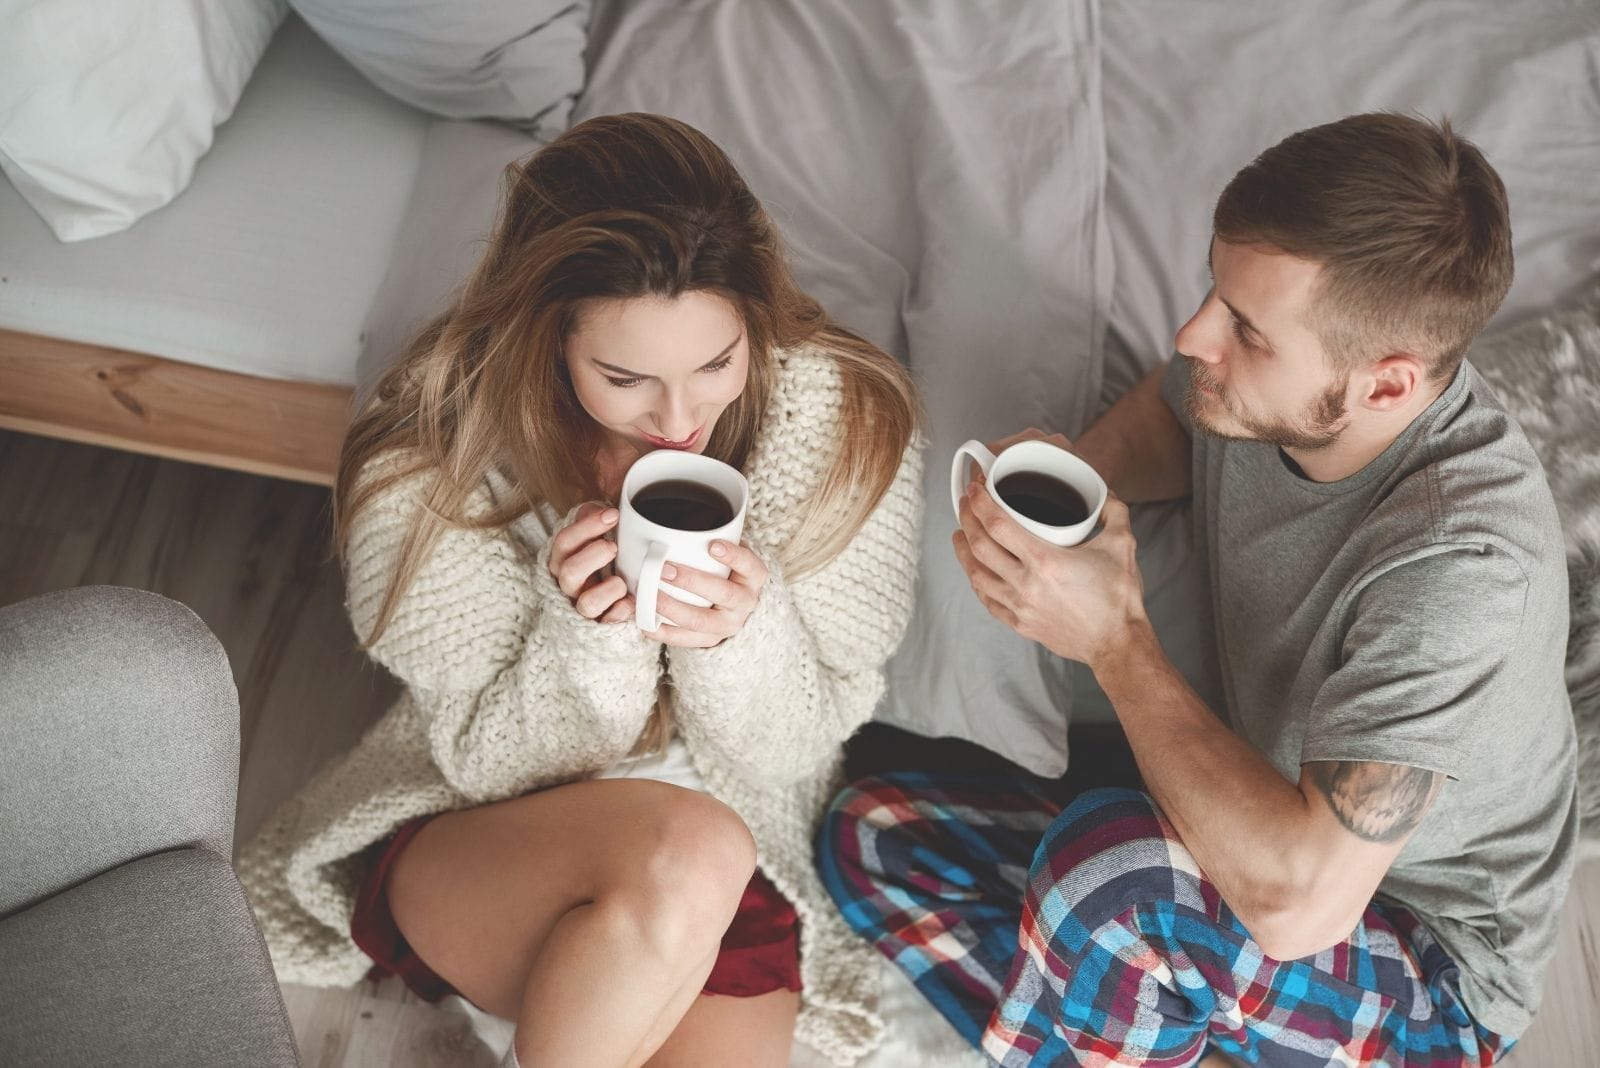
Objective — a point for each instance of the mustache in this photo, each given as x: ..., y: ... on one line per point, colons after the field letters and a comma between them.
x: 1199, y: 372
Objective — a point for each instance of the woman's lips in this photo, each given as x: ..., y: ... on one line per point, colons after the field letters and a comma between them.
x: 663, y: 443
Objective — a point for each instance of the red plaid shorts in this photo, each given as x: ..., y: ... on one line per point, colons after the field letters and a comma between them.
x: 760, y: 952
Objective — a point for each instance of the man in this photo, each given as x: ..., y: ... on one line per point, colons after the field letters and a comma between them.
x: 1362, y: 857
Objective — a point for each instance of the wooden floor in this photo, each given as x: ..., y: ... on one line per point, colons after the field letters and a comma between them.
x: 250, y: 555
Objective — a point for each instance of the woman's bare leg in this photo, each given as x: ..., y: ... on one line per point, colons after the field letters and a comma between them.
x: 582, y: 912
x: 667, y: 1020
x: 729, y: 1032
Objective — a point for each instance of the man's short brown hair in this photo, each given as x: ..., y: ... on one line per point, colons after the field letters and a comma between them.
x: 1408, y: 220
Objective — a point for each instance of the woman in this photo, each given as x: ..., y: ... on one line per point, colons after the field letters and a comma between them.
x: 600, y: 833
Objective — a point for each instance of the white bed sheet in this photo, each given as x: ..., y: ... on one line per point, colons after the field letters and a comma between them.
x: 1194, y: 90
x: 268, y: 262
x: 937, y: 173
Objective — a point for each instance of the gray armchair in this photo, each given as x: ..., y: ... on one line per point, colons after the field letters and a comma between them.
x: 125, y: 938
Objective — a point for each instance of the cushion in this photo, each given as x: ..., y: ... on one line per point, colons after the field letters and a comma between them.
x: 520, y: 61
x: 157, y: 963
x: 119, y: 737
x: 104, y: 108
x: 1546, y: 372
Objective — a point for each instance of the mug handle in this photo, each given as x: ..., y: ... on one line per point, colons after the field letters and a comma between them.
x: 958, y: 469
x: 649, y: 592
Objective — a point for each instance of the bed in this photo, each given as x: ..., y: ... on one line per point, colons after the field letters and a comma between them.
x: 1013, y: 196
x: 225, y: 327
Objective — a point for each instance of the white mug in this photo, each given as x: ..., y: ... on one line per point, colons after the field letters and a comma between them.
x: 644, y: 546
x: 1039, y: 457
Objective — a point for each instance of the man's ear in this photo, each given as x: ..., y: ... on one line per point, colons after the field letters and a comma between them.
x: 1393, y: 380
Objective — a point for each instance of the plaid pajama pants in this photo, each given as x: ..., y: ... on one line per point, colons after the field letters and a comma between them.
x: 1087, y: 936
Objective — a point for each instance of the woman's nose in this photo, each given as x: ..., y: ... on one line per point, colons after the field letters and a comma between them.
x: 676, y: 421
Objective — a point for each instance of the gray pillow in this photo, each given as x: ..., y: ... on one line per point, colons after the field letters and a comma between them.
x: 1547, y: 374
x: 520, y: 61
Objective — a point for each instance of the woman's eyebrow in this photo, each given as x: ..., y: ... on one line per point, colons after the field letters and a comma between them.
x: 635, y: 374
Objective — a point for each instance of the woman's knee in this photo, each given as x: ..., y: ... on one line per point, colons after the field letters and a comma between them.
x: 686, y: 869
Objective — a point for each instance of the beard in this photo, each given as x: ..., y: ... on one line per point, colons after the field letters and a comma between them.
x: 1318, y: 427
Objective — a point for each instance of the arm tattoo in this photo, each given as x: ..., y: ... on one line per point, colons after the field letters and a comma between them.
x: 1375, y: 801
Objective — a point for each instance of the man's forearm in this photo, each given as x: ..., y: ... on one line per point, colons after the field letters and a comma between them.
x: 1242, y: 820
x: 1139, y: 447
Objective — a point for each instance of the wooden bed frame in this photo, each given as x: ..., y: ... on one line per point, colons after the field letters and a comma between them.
x: 127, y: 400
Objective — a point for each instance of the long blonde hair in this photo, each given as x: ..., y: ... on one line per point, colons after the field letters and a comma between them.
x: 619, y: 206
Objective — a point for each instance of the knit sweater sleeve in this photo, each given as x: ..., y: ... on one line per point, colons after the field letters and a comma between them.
x: 518, y: 690
x: 777, y: 700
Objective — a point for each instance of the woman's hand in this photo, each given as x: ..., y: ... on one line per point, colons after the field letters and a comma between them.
x: 580, y: 559
x: 732, y: 598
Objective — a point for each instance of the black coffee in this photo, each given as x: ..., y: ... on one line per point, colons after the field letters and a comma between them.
x: 1043, y: 499
x: 683, y: 505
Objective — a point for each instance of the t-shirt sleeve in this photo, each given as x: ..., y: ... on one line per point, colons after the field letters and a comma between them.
x: 1424, y: 675
x: 1174, y: 386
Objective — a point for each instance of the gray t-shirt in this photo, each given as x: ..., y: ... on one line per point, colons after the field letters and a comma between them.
x: 1413, y: 613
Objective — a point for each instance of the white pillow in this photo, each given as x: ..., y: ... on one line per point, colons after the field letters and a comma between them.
x: 105, y: 107
x: 520, y: 61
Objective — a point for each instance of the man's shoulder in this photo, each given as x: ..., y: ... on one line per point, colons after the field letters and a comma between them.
x: 1473, y: 478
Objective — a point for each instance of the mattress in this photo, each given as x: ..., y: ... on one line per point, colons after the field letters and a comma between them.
x: 268, y: 263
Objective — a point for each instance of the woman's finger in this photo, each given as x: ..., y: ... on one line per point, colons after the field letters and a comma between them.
x: 620, y: 612
x: 576, y: 570
x: 742, y: 561
x: 723, y: 592
x: 684, y: 639
x: 588, y: 523
x: 595, y: 601
x: 692, y: 617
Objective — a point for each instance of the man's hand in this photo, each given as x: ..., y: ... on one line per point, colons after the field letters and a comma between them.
x: 1078, y: 602
x: 1033, y: 433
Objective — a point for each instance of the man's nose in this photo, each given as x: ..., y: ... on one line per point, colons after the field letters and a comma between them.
x: 1202, y: 336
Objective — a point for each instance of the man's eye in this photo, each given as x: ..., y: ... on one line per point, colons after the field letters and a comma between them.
x: 1238, y: 332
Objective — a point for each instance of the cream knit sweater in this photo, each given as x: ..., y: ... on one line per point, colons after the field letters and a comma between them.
x: 509, y: 690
